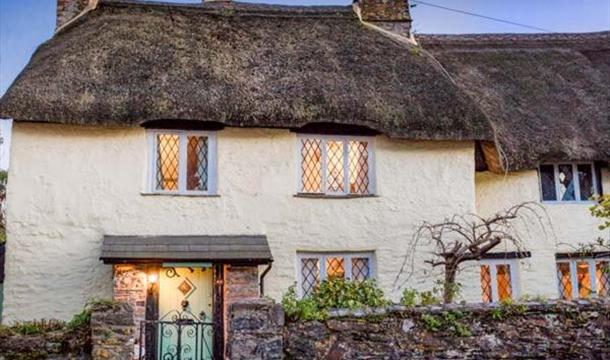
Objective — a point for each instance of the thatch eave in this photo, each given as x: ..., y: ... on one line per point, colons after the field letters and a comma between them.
x: 546, y: 95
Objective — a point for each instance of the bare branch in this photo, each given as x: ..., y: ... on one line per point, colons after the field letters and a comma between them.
x: 469, y: 237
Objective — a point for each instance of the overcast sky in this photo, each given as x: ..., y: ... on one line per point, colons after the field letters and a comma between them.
x: 25, y: 24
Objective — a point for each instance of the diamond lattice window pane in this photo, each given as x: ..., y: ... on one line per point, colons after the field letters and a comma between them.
x: 505, y: 290
x: 168, y: 149
x: 197, y: 163
x: 335, y: 268
x: 335, y: 173
x: 310, y: 272
x: 360, y: 269
x: 358, y: 167
x: 486, y: 283
x: 602, y: 274
x: 564, y: 280
x: 584, y: 279
x: 311, y: 165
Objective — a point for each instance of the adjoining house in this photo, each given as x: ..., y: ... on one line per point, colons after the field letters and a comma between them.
x: 180, y: 157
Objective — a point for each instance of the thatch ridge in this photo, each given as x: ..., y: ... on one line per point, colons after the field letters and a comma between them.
x: 126, y: 63
x: 547, y: 95
x: 588, y: 40
x: 240, y: 8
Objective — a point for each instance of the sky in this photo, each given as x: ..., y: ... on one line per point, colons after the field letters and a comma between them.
x: 25, y: 24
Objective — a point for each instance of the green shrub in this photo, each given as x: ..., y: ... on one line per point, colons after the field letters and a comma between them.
x: 409, y: 297
x: 33, y: 327
x: 429, y: 298
x: 345, y: 294
x: 83, y: 318
x: 333, y: 294
x: 431, y: 322
x: 305, y: 309
x: 80, y: 320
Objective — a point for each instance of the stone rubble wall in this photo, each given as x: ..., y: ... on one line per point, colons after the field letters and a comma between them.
x: 557, y: 330
x: 54, y: 345
x: 112, y: 332
x: 255, y: 330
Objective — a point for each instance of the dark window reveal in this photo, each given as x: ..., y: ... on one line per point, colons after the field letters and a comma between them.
x: 569, y: 182
x: 585, y: 180
x: 547, y: 178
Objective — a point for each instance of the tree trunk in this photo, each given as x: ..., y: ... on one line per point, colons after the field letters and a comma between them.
x: 449, y: 285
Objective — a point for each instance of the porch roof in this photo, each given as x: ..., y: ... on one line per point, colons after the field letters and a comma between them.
x: 217, y: 248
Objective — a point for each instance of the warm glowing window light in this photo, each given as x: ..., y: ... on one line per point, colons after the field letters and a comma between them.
x: 497, y: 280
x: 183, y: 162
x: 335, y: 165
x: 581, y: 278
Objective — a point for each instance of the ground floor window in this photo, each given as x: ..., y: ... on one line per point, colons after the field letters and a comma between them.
x: 582, y: 277
x: 499, y: 280
x: 316, y: 267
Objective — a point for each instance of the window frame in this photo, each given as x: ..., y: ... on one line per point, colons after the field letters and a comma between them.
x: 322, y: 256
x: 493, y: 275
x: 573, y: 262
x: 182, y: 162
x: 574, y: 165
x: 324, y: 138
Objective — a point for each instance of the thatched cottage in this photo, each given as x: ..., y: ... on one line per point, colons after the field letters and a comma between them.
x: 183, y: 156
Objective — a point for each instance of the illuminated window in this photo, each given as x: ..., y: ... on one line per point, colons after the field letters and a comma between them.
x: 317, y: 267
x: 335, y: 165
x: 582, y: 277
x: 498, y: 280
x: 182, y: 162
x: 568, y: 182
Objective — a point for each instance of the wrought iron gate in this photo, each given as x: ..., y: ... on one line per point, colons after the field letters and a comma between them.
x: 184, y: 337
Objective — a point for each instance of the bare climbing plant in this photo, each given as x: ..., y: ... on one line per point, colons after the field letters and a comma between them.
x: 464, y: 238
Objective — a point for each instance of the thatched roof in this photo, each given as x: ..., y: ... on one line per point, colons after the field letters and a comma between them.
x: 125, y: 63
x: 548, y: 96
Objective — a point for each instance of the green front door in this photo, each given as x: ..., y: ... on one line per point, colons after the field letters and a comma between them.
x: 186, y: 320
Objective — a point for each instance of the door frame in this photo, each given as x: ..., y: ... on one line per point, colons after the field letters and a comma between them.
x: 152, y: 313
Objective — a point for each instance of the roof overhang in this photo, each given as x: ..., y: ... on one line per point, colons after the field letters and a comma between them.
x: 230, y: 249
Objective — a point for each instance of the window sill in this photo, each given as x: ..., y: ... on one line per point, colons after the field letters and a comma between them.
x: 324, y: 196
x: 580, y: 202
x: 179, y: 194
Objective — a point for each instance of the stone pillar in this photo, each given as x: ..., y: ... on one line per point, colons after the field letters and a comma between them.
x: 241, y: 282
x: 256, y: 330
x: 130, y: 287
x: 112, y: 332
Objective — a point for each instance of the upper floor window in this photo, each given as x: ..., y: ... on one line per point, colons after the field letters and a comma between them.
x: 582, y: 277
x: 183, y: 162
x: 499, y: 280
x: 314, y: 268
x: 568, y: 181
x: 336, y: 165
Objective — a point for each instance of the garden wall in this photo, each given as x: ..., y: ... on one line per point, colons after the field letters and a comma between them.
x: 105, y: 332
x: 559, y: 330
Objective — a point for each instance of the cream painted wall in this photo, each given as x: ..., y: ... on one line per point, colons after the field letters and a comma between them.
x: 71, y: 185
x: 563, y: 227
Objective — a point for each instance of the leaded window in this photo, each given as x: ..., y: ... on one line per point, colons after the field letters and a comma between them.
x: 317, y: 267
x: 498, y: 280
x: 582, y: 277
x: 335, y: 165
x: 183, y: 162
x: 568, y: 181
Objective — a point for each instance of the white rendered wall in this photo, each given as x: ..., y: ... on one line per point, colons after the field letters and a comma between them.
x: 565, y: 225
x: 68, y: 186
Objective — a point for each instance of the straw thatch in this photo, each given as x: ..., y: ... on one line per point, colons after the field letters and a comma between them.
x: 535, y: 97
x: 126, y: 63
x: 548, y: 96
